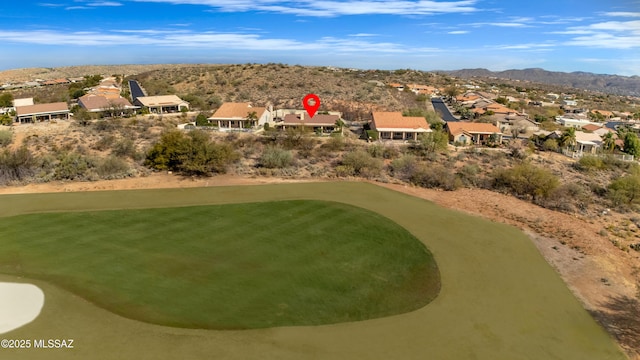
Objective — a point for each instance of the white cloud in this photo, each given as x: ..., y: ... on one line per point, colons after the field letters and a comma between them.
x: 204, y: 40
x: 501, y: 24
x: 458, y: 32
x: 528, y: 46
x: 328, y: 8
x: 607, y: 41
x: 363, y: 35
x: 622, y: 14
x: 608, y: 34
x: 104, y: 3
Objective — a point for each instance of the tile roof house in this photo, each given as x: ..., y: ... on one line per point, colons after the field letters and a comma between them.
x: 591, y: 127
x: 587, y: 142
x: 322, y: 123
x: 472, y: 133
x: 42, y: 112
x: 99, y: 103
x: 394, y: 126
x: 162, y: 104
x: 236, y: 116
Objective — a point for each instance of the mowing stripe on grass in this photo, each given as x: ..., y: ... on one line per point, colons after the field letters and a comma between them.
x: 249, y: 265
x: 499, y: 297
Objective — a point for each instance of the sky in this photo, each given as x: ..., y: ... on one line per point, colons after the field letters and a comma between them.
x: 562, y: 35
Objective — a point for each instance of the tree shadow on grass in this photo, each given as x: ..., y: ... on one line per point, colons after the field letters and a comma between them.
x: 622, y: 320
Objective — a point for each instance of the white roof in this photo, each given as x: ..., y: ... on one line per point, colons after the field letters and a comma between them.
x: 588, y: 138
x: 161, y: 100
x: 23, y: 102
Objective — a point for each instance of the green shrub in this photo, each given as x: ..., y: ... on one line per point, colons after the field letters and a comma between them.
x: 112, y: 167
x: 275, y: 157
x: 376, y: 150
x: 335, y: 143
x: 404, y: 167
x: 6, y: 137
x: 550, y: 145
x: 589, y: 163
x: 436, y: 176
x: 429, y: 143
x: 362, y: 163
x: 105, y: 142
x: 625, y: 190
x: 470, y: 175
x: 124, y: 148
x: 372, y: 134
x: 194, y: 154
x: 73, y: 166
x: 344, y: 171
x: 526, y: 180
x: 17, y: 165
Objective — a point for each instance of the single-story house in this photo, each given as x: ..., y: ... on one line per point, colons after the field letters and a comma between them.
x: 587, y: 142
x: 394, y: 126
x: 472, y: 133
x: 572, y: 122
x: 101, y: 104
x: 604, y: 130
x: 42, y: 112
x: 162, y: 104
x: 238, y: 116
x: 320, y: 122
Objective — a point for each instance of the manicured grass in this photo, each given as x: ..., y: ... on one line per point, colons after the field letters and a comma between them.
x: 228, y: 266
x: 499, y: 298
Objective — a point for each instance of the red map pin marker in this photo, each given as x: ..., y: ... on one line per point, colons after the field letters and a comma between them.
x: 311, y: 103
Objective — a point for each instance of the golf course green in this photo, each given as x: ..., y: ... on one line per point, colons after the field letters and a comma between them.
x: 234, y: 266
x: 498, y: 299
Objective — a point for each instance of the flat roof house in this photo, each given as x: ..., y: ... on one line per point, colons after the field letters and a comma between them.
x: 237, y: 116
x: 42, y: 112
x: 162, y: 104
x: 320, y: 123
x: 394, y: 126
x: 472, y: 133
x: 23, y: 102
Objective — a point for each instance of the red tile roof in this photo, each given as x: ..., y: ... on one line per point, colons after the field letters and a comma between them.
x: 458, y: 127
x: 395, y: 120
x: 98, y: 102
x: 236, y: 111
x: 591, y: 127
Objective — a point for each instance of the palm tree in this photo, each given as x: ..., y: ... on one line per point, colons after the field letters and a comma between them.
x: 608, y: 142
x: 251, y: 119
x: 568, y: 138
x: 340, y: 125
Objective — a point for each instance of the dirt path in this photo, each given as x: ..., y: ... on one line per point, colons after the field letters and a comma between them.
x: 600, y: 275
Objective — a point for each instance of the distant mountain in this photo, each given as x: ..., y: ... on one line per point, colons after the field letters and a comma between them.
x: 613, y: 84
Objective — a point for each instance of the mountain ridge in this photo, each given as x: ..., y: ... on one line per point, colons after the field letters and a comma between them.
x: 611, y: 84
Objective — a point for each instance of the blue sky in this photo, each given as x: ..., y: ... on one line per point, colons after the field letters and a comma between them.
x: 595, y: 36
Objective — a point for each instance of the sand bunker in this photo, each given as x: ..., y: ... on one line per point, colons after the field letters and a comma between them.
x: 20, y: 304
